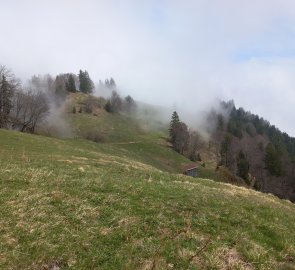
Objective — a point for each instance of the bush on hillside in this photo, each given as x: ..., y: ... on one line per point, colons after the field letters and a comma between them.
x: 90, y: 104
x: 95, y: 136
x: 114, y: 104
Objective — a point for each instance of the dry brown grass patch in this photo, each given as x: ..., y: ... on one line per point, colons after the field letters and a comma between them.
x: 105, y: 231
x: 228, y: 259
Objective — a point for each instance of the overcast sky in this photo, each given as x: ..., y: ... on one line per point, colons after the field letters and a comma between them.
x: 181, y: 53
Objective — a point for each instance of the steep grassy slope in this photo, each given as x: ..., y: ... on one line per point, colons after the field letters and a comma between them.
x: 81, y: 205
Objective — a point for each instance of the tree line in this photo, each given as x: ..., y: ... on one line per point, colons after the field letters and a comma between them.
x: 279, y: 144
x: 244, y: 143
x: 253, y: 149
x: 23, y: 107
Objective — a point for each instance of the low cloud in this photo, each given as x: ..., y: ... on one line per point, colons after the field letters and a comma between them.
x: 183, y: 55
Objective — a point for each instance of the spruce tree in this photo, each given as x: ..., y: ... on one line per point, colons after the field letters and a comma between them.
x: 173, y: 123
x: 86, y: 84
x: 71, y: 85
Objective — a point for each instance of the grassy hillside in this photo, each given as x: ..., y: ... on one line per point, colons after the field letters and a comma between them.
x: 124, y: 136
x: 74, y: 204
x: 144, y: 140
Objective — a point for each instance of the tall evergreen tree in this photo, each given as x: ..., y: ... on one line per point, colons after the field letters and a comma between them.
x: 86, y: 84
x: 6, y: 95
x: 179, y: 134
x: 173, y: 123
x: 71, y: 85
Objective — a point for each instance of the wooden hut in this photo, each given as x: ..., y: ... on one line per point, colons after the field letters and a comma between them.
x: 191, y: 170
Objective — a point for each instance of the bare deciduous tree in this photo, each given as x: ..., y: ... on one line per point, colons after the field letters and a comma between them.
x: 8, y: 85
x: 196, y: 143
x: 29, y: 109
x: 181, y: 137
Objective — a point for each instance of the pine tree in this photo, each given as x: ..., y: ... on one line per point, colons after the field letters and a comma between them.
x: 5, y: 101
x: 71, y: 85
x: 173, y: 123
x: 86, y: 84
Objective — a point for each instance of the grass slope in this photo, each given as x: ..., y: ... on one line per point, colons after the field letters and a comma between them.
x: 73, y: 204
x: 124, y: 136
x: 144, y: 140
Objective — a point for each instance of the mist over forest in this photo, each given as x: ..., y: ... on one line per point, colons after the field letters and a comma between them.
x: 147, y: 135
x: 228, y: 94
x: 150, y: 50
x: 250, y: 147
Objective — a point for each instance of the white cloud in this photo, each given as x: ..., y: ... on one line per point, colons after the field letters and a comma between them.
x: 167, y: 52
